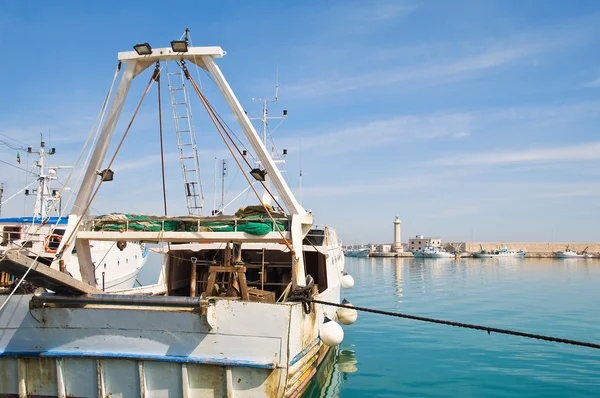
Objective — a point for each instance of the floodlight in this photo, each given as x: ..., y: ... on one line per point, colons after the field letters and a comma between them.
x: 143, y: 49
x: 179, y: 46
x: 106, y: 174
x: 258, y: 174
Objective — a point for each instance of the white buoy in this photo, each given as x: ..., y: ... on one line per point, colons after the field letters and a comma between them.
x: 347, y: 280
x: 331, y: 333
x: 347, y: 316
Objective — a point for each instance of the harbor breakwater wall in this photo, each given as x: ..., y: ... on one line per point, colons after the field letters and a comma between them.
x: 534, y: 249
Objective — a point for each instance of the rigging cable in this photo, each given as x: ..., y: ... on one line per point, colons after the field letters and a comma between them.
x: 53, y: 227
x: 213, y: 118
x: 14, y: 139
x: 220, y: 121
x: 487, y: 329
x: 16, y: 148
x: 162, y: 151
x: 96, y: 126
x: 20, y: 168
x: 87, y: 206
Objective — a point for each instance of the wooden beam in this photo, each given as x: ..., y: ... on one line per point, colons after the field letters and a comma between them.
x: 17, y: 263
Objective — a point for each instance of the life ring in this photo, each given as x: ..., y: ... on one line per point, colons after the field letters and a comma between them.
x: 55, y: 239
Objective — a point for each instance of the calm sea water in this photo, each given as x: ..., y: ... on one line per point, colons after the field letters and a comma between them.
x: 390, y: 357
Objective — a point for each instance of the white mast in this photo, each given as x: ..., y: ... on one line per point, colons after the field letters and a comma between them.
x: 266, y: 198
x: 45, y: 199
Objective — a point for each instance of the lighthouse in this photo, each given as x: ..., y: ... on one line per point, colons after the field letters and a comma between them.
x: 397, y: 245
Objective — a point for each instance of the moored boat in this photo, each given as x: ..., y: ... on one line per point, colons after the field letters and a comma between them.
x: 431, y: 251
x: 501, y: 252
x: 357, y: 252
x: 570, y: 253
x: 231, y: 313
x: 39, y: 236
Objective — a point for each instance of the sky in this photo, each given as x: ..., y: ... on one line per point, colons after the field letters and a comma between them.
x: 470, y: 120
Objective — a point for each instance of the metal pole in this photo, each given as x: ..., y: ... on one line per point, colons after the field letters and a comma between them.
x: 117, y: 299
x: 1, y: 193
x: 193, y: 277
x: 223, y: 172
x: 262, y: 272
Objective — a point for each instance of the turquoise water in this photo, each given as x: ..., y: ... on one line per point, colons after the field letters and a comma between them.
x: 390, y: 357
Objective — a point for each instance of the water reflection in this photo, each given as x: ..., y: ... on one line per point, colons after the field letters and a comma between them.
x: 332, y: 373
x: 398, y: 278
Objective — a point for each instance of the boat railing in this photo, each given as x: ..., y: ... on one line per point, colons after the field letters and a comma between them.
x: 184, y: 224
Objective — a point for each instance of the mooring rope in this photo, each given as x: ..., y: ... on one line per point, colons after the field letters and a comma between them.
x: 457, y: 324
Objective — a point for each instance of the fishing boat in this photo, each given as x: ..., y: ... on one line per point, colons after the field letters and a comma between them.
x: 357, y: 252
x: 39, y: 236
x: 420, y: 253
x: 231, y: 314
x: 570, y: 253
x: 501, y: 252
x: 437, y: 252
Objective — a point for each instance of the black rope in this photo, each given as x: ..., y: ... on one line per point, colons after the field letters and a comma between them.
x: 302, y: 294
x: 461, y: 325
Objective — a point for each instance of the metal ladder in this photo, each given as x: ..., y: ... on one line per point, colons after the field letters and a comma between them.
x: 186, y: 141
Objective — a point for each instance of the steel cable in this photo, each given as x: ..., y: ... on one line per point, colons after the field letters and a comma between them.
x: 458, y: 324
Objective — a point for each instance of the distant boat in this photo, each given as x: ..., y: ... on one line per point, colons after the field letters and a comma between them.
x: 569, y: 253
x: 436, y: 252
x: 421, y: 253
x: 417, y: 253
x: 502, y: 252
x: 357, y: 252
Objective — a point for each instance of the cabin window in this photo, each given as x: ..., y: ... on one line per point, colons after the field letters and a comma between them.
x: 10, y: 233
x: 53, y: 242
x: 316, y: 267
x: 314, y: 237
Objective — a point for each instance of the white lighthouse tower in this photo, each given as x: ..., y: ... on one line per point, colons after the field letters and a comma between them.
x: 397, y: 245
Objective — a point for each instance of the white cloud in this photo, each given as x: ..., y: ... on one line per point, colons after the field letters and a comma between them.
x: 572, y: 153
x: 381, y: 133
x: 450, y: 70
x: 593, y: 83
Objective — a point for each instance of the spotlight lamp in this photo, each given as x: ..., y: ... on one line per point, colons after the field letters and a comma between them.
x: 179, y: 46
x: 106, y: 174
x: 143, y: 49
x: 258, y: 174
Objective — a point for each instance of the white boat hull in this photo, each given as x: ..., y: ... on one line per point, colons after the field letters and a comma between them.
x: 438, y: 255
x: 565, y: 255
x: 417, y: 253
x: 241, y: 349
x: 358, y: 253
x: 493, y: 255
x: 115, y: 269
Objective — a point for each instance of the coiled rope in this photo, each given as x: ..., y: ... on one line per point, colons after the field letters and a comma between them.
x: 457, y: 324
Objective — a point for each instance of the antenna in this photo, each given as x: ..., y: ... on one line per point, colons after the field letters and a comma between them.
x: 223, y: 174
x: 276, y: 83
x: 215, y: 190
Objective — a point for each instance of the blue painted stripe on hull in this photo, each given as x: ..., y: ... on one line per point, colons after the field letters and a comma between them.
x: 304, y: 351
x: 35, y: 220
x: 161, y: 358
